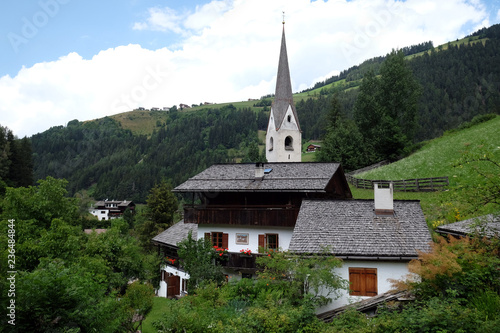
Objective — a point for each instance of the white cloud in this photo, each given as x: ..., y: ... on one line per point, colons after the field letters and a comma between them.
x: 230, y: 53
x: 161, y: 19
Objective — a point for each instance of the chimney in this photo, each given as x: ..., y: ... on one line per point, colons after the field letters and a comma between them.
x: 384, y: 203
x: 259, y: 171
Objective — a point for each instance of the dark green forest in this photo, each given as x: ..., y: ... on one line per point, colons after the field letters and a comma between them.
x: 16, y: 165
x: 114, y: 163
x: 457, y: 82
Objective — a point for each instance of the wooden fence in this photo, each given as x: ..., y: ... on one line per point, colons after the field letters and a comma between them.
x: 405, y: 185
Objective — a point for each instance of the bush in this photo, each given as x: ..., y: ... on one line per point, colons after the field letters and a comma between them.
x: 456, y: 268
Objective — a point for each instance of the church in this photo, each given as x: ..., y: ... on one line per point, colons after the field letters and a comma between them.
x: 289, y: 205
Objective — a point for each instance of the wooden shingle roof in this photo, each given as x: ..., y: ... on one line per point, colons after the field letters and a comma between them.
x: 489, y: 225
x: 176, y: 233
x: 350, y: 229
x: 283, y: 177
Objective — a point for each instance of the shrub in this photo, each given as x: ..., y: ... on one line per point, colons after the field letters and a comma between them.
x: 456, y: 268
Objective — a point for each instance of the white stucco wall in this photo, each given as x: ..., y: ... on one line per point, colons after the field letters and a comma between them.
x: 385, y: 270
x: 284, y: 235
x: 101, y: 214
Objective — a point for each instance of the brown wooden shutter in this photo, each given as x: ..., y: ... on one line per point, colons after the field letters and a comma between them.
x: 262, y: 241
x: 370, y: 281
x: 363, y: 281
x: 225, y: 241
x: 355, y: 281
x: 208, y: 236
x: 277, y: 241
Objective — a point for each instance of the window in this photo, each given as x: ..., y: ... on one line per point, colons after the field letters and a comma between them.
x: 288, y: 143
x: 218, y: 239
x: 271, y: 143
x: 289, y: 118
x: 363, y: 281
x: 269, y: 241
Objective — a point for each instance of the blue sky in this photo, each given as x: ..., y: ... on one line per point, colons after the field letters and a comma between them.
x: 68, y: 59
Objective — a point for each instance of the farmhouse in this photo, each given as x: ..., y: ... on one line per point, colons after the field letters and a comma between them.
x: 313, y: 148
x: 301, y: 207
x: 111, y: 209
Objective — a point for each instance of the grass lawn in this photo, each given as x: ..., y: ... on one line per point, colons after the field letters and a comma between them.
x: 437, y: 158
x: 159, y: 307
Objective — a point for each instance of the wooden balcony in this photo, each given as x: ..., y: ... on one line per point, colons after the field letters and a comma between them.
x: 281, y: 216
x: 239, y: 262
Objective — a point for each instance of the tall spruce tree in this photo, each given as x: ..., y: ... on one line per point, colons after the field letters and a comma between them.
x: 386, y: 109
x: 343, y: 142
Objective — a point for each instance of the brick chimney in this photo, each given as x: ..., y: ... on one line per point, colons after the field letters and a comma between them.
x: 259, y: 171
x: 384, y: 200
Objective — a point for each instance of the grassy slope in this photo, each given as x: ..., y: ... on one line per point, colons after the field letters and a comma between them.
x: 436, y: 158
x: 141, y: 122
x: 159, y: 306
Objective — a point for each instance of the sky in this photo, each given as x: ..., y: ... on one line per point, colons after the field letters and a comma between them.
x: 62, y: 60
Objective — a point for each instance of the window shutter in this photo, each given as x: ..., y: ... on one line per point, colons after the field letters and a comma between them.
x: 277, y: 241
x: 262, y: 241
x: 363, y: 281
x: 370, y: 281
x: 225, y: 241
x: 208, y: 236
x: 355, y: 280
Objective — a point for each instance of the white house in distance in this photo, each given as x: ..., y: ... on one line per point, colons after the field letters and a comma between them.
x: 111, y: 209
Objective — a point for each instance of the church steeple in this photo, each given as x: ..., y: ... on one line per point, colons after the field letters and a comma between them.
x: 283, y: 139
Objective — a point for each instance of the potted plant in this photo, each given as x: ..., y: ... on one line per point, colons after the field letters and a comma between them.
x: 246, y: 252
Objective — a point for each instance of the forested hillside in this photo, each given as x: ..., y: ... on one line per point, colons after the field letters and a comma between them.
x: 114, y: 163
x: 115, y: 160
x: 16, y: 166
x: 459, y: 80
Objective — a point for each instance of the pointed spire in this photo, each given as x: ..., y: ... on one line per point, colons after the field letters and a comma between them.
x: 283, y: 95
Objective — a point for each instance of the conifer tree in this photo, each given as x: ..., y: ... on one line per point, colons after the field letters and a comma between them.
x: 386, y: 109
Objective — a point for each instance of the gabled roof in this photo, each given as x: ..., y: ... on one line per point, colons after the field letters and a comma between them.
x: 489, y: 225
x: 176, y: 233
x: 283, y: 177
x: 283, y: 96
x: 351, y: 230
x: 119, y: 203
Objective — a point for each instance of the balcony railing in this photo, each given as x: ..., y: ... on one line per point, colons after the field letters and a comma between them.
x: 239, y: 261
x: 283, y: 216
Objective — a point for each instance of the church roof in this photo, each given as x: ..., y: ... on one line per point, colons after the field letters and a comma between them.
x: 283, y: 95
x: 351, y: 229
x: 281, y: 177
